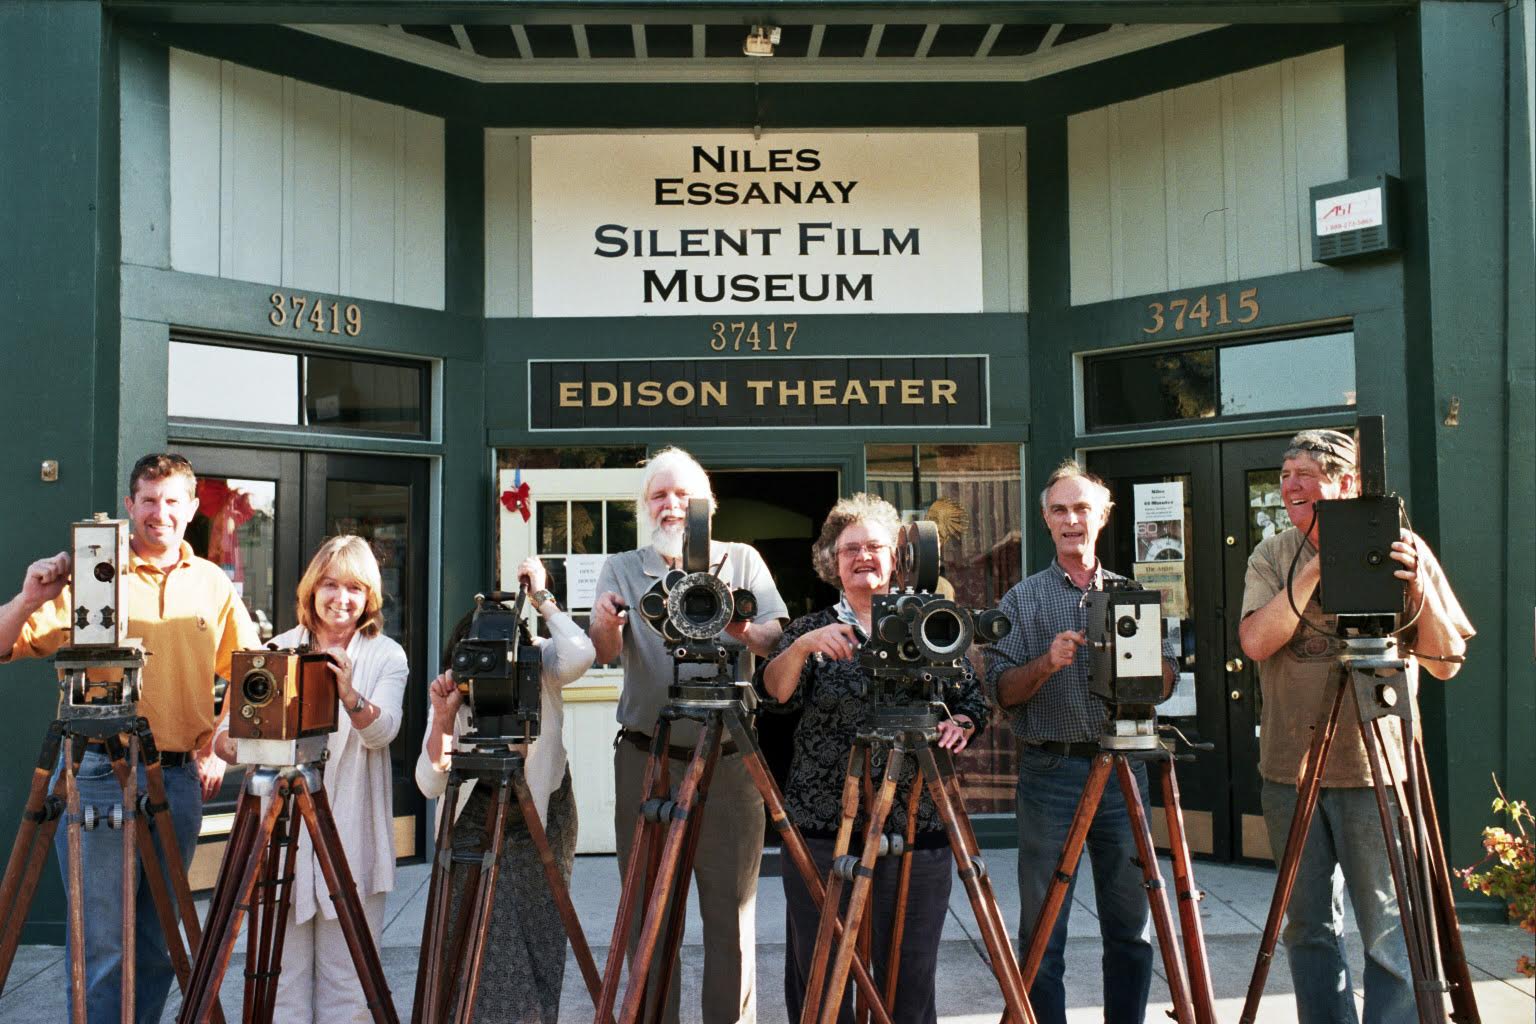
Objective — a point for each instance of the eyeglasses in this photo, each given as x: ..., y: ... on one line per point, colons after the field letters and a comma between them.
x: 854, y: 550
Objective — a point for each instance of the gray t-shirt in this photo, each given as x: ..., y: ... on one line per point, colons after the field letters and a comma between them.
x: 647, y: 664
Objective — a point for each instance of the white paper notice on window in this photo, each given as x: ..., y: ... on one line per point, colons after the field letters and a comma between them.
x: 581, y: 580
x: 1159, y: 502
x: 1182, y: 703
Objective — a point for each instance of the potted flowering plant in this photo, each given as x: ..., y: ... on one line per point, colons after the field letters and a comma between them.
x: 1508, y: 867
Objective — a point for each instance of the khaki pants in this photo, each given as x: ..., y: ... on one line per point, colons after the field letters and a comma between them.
x: 725, y: 871
x: 319, y: 981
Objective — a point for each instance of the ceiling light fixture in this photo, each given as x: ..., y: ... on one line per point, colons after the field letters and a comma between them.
x: 761, y: 39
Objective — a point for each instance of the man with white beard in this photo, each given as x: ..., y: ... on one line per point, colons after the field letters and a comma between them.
x: 730, y: 848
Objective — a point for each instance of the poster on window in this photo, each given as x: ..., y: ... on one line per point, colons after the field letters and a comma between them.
x: 1168, y: 579
x: 1159, y: 521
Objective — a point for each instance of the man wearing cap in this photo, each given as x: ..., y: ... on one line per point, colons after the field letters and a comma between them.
x: 186, y: 612
x: 1297, y: 665
x: 1038, y: 674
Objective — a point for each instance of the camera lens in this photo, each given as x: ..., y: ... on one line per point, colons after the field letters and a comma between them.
x: 104, y: 571
x: 485, y: 661
x: 461, y: 660
x: 700, y: 605
x: 257, y: 687
x: 1125, y: 626
x: 1373, y: 558
x: 941, y: 630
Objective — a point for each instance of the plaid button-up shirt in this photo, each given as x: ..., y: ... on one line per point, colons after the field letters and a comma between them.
x: 1039, y: 607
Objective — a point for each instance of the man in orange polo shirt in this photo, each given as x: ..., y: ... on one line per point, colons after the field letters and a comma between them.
x: 186, y: 612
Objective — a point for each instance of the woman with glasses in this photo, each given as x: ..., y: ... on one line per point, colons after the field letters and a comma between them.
x: 815, y: 668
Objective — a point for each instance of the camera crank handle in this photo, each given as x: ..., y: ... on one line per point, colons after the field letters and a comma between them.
x: 1191, y: 744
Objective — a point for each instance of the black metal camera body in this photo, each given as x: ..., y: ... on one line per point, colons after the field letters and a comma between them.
x: 497, y: 667
x: 1124, y: 626
x: 918, y: 638
x: 1355, y: 537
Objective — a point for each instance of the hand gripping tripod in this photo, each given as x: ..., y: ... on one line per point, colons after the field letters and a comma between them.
x: 105, y: 719
x: 257, y: 876
x: 463, y: 947
x: 1374, y: 676
x: 1126, y: 740
x: 667, y: 834
x: 907, y: 732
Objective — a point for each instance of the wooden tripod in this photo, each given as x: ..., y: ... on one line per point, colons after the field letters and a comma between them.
x: 263, y: 845
x: 463, y: 946
x: 1376, y: 679
x: 108, y: 722
x: 936, y: 771
x: 1198, y: 1008
x: 666, y: 837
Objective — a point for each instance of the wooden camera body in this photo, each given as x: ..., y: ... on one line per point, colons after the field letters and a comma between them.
x: 99, y: 616
x: 282, y: 695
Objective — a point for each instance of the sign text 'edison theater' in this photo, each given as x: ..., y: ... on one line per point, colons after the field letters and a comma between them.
x: 645, y: 394
x: 754, y: 181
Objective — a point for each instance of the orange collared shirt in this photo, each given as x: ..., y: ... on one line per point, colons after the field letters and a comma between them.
x: 190, y: 620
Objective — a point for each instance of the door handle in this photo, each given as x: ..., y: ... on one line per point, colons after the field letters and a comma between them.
x: 1234, y: 664
x: 1237, y: 694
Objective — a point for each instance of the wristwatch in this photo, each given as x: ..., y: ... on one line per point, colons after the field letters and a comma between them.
x: 355, y: 708
x: 538, y: 597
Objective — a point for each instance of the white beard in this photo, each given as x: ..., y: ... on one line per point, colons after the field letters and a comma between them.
x: 668, y: 540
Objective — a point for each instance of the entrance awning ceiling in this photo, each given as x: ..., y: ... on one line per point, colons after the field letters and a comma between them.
x: 679, y: 41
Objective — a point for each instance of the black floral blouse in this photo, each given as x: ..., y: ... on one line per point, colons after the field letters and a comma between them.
x: 830, y: 696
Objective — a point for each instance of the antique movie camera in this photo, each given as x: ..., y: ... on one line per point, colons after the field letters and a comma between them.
x: 919, y: 638
x: 1124, y: 627
x: 690, y: 607
x: 97, y: 580
x: 1355, y: 537
x: 497, y: 668
x: 282, y: 694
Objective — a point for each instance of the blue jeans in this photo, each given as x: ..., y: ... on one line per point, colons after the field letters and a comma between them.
x: 102, y: 856
x: 1344, y: 846
x: 1048, y: 791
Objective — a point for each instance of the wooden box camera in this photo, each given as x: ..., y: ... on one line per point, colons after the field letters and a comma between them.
x: 99, y: 617
x: 282, y: 695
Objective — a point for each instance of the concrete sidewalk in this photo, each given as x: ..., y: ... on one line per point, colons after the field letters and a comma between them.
x: 1236, y: 903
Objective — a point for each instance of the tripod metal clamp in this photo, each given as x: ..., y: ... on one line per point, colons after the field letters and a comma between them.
x: 977, y: 870
x: 658, y: 810
x: 847, y: 867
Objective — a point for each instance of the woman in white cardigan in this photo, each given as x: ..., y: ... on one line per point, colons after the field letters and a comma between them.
x: 339, y: 601
x: 525, y: 952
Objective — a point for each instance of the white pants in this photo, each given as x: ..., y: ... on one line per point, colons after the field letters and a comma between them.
x: 319, y: 982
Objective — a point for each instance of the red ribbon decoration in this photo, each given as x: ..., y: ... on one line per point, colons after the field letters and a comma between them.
x: 517, y: 500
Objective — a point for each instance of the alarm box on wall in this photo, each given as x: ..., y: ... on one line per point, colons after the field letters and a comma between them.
x: 1356, y: 218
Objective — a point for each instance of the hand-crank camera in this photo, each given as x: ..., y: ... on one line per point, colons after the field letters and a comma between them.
x: 282, y: 694
x: 1355, y: 537
x: 1125, y: 643
x: 497, y: 668
x: 915, y: 629
x: 100, y: 614
x: 692, y: 605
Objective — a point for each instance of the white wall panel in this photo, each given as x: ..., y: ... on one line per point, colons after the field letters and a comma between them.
x: 286, y: 183
x: 504, y: 198
x: 1206, y: 183
x: 194, y: 96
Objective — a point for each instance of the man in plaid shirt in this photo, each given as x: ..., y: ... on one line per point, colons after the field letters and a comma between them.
x: 1038, y: 675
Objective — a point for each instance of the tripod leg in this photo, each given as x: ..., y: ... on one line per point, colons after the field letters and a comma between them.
x: 480, y: 900
x: 123, y: 765
x: 1066, y: 866
x: 903, y: 886
x: 237, y: 880
x: 1429, y: 1004
x: 316, y: 809
x: 864, y: 877
x: 831, y: 925
x: 1005, y: 966
x: 1157, y: 895
x: 657, y: 776
x: 39, y: 820
x: 276, y: 905
x: 426, y: 1007
x: 1453, y: 955
x: 667, y: 872
x: 1295, y: 842
x: 75, y: 858
x: 558, y: 888
x: 793, y: 844
x: 1201, y: 990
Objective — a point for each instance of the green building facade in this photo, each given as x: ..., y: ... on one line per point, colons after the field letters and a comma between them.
x: 376, y: 265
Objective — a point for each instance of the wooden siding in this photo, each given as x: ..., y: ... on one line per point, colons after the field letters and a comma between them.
x: 285, y: 183
x: 1206, y: 183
